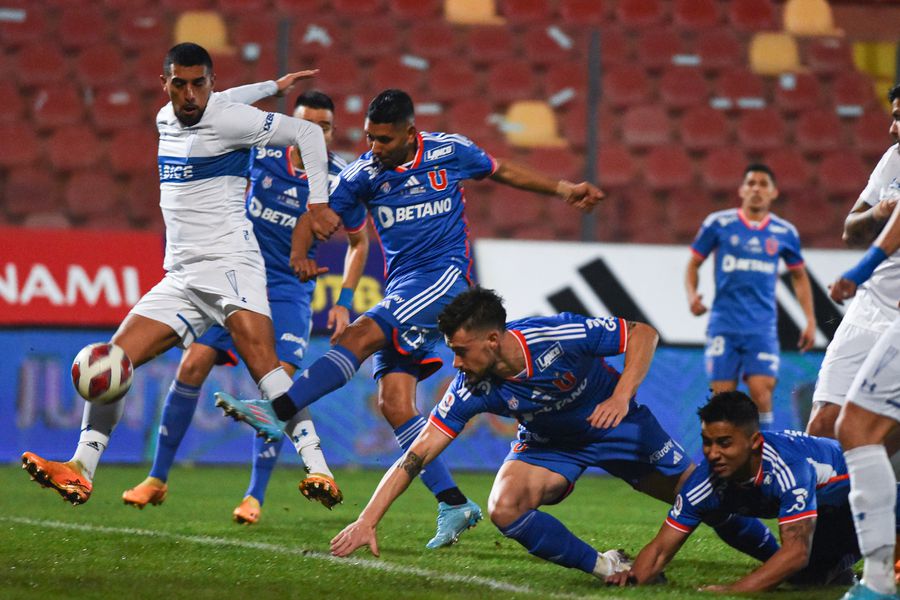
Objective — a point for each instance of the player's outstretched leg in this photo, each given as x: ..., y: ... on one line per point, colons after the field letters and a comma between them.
x: 67, y: 478
x: 319, y: 484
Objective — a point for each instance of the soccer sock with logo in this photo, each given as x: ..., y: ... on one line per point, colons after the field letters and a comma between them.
x: 265, y: 455
x: 96, y: 426
x: 436, y: 476
x: 306, y: 441
x: 747, y: 535
x: 546, y: 537
x: 325, y: 375
x: 181, y: 402
x: 873, y: 495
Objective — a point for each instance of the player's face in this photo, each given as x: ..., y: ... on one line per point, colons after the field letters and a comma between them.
x: 322, y: 117
x: 895, y: 123
x: 188, y: 89
x: 728, y: 449
x: 474, y: 352
x: 392, y: 144
x: 757, y: 192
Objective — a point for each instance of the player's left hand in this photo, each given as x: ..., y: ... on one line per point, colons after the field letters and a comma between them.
x: 609, y: 413
x: 841, y: 290
x: 305, y: 268
x: 621, y: 579
x: 286, y: 83
x: 807, y: 338
x: 355, y: 535
x: 584, y: 196
x: 338, y: 319
x: 323, y: 221
x: 716, y: 589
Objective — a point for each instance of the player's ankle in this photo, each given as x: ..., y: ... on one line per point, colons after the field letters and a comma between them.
x: 284, y: 407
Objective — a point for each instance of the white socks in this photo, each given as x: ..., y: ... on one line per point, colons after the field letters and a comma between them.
x: 873, y: 495
x: 274, y: 383
x: 96, y: 427
x: 306, y: 441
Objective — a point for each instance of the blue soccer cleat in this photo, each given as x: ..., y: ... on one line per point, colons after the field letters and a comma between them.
x: 861, y: 592
x: 452, y: 521
x: 258, y: 414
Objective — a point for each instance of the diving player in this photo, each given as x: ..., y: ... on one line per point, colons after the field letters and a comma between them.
x: 742, y: 336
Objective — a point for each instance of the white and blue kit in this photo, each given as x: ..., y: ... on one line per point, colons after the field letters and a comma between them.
x: 276, y: 198
x: 418, y: 212
x: 742, y: 335
x: 565, y: 378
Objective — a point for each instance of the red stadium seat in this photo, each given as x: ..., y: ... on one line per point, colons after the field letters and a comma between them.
x: 395, y: 72
x: 761, y: 130
x: 299, y: 8
x: 516, y: 208
x: 570, y: 75
x: 797, y: 92
x: 639, y: 216
x: 450, y: 80
x: 557, y: 162
x: 752, y: 15
x: 626, y: 86
x: 230, y: 71
x: 143, y: 28
x: 142, y: 198
x: 656, y: 48
x: 74, y: 147
x: 58, y: 105
x: 549, y: 47
x: 510, y: 81
x: 739, y: 89
x: 870, y: 133
x: 667, y: 168
x: 720, y: 49
x: 40, y: 64
x: 239, y: 8
x: 615, y: 48
x: 645, y: 126
x: 115, y: 108
x: 12, y: 106
x: 685, y: 210
x: 338, y: 74
x: 89, y: 193
x: 829, y: 56
x: 565, y: 220
x: 818, y: 131
x: 100, y: 65
x: 417, y: 12
x: 470, y: 116
x: 46, y: 220
x: 19, y: 146
x: 374, y: 38
x: 33, y: 26
x: 259, y: 28
x: 543, y: 230
x: 81, y: 27
x: 704, y: 128
x: 792, y: 171
x: 29, y: 190
x: 637, y: 14
x: 488, y: 45
x: 853, y: 92
x: 843, y: 173
x: 527, y: 12
x: 133, y: 150
x: 573, y: 123
x: 583, y: 13
x: 723, y: 168
x: 683, y: 87
x: 434, y: 40
x: 695, y: 15
x: 355, y: 9
x: 316, y: 37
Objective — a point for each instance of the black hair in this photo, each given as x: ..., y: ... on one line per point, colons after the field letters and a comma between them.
x: 314, y: 99
x: 760, y: 168
x: 476, y: 308
x: 894, y: 93
x: 187, y: 54
x: 732, y: 407
x: 391, y: 106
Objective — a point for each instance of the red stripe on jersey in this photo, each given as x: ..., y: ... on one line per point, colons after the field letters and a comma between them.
x: 417, y: 159
x: 623, y: 335
x: 443, y: 428
x: 810, y: 514
x: 395, y: 337
x: 677, y: 526
x: 757, y: 481
x: 833, y: 480
x: 702, y: 257
x: 494, y: 164
x: 529, y: 370
x: 797, y: 265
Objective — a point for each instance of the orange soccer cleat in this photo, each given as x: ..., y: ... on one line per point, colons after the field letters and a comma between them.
x: 247, y: 512
x: 321, y: 488
x: 149, y: 491
x: 64, y: 477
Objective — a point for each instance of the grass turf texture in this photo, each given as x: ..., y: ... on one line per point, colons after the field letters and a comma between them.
x: 189, y: 547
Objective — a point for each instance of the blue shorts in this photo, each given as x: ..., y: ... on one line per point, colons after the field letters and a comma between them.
x: 292, y: 322
x: 637, y: 447
x: 408, y: 317
x: 728, y: 355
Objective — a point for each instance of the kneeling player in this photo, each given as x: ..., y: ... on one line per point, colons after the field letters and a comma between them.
x: 574, y: 410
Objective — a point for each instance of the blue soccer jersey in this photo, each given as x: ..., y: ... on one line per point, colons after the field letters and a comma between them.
x: 276, y: 198
x: 746, y: 268
x: 797, y: 475
x: 565, y: 377
x: 418, y: 207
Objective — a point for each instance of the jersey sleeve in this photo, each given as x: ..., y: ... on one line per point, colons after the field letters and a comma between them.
x: 472, y: 161
x: 605, y: 336
x: 253, y: 92
x: 345, y: 199
x: 707, y: 238
x: 457, y: 406
x: 242, y: 126
x: 693, y: 502
x: 871, y: 194
x: 790, y: 250
x: 796, y: 484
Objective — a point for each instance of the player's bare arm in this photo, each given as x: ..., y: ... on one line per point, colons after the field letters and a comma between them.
x: 796, y: 544
x: 362, y: 532
x: 323, y: 220
x: 652, y: 558
x: 301, y: 241
x: 691, y: 281
x: 286, y: 83
x: 354, y: 263
x: 887, y: 242
x: 803, y: 289
x: 865, y: 222
x: 641, y: 344
x: 583, y: 196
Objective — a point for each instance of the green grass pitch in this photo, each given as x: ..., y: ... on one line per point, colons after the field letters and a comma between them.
x: 189, y: 547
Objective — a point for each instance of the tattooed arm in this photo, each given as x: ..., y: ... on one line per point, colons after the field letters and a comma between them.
x: 361, y: 532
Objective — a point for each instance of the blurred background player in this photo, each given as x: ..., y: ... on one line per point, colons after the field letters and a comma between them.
x: 798, y: 479
x: 742, y: 335
x: 215, y: 272
x: 574, y: 412
x: 276, y: 198
x: 410, y: 182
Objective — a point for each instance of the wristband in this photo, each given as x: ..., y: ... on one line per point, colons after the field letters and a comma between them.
x: 866, y: 265
x: 345, y: 299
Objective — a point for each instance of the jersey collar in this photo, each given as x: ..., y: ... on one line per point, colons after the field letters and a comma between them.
x: 529, y: 369
x: 750, y: 225
x: 417, y: 159
x: 291, y: 169
x: 757, y: 481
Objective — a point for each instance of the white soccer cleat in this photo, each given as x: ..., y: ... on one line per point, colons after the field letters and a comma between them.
x: 610, y: 562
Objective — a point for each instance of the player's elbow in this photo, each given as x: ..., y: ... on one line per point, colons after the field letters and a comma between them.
x: 644, y: 331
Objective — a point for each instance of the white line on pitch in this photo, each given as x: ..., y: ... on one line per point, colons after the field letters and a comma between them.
x: 375, y: 565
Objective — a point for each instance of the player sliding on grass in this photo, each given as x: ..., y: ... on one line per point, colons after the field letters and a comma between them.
x: 276, y: 198
x: 800, y: 480
x: 574, y: 412
x: 411, y: 183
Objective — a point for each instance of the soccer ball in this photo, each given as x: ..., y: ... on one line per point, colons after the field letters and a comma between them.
x: 102, y: 373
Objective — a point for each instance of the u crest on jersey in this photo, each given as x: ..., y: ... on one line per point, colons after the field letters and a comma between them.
x: 438, y: 179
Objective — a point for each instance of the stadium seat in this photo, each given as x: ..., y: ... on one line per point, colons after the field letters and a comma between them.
x: 29, y: 190
x: 231, y: 71
x: 90, y: 193
x: 695, y: 15
x: 549, y: 47
x: 317, y: 37
x: 722, y: 169
x: 489, y: 45
x: 241, y: 8
x: 115, y: 108
x: 531, y: 124
x: 374, y: 38
x: 527, y: 12
x: 796, y: 92
x: 133, y: 150
x: 852, y: 93
x: 81, y: 27
x: 792, y: 171
x: 645, y: 126
x: 32, y: 27
x: 870, y: 133
x: 40, y: 64
x: 719, y: 49
x: 339, y: 74
x: 185, y: 5
x: 843, y: 173
x: 704, y: 128
x: 355, y: 9
x: 299, y: 8
x: 417, y: 12
x: 19, y: 146
x: 626, y: 86
x: 434, y: 40
x: 100, y: 65
x: 774, y: 53
x: 818, y: 131
x: 543, y: 230
x: 510, y: 81
x: 739, y: 89
x: 396, y: 72
x: 516, y: 208
x: 564, y: 219
x: 683, y: 87
x: 142, y: 28
x: 752, y: 15
x: 74, y: 147
x: 260, y: 28
x: 142, y: 199
x: 12, y: 106
x: 583, y: 13
x: 685, y: 210
x: 46, y: 220
x: 566, y: 82
x: 450, y: 80
x: 808, y: 17
x: 760, y: 130
x: 638, y: 14
x: 557, y: 162
x: 639, y: 219
x: 573, y: 123
x: 57, y: 105
x: 658, y: 47
x: 667, y: 168
x: 204, y: 27
x: 828, y: 56
x: 472, y: 12
x: 470, y: 116
x: 615, y: 47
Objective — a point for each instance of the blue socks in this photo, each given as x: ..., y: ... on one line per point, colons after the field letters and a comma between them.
x: 325, y: 375
x: 747, y: 535
x: 181, y: 402
x: 546, y: 537
x: 265, y: 455
x: 436, y: 476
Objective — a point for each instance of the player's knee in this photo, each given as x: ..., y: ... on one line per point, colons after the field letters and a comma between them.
x: 822, y: 424
x: 504, y: 511
x: 193, y: 370
x: 363, y: 337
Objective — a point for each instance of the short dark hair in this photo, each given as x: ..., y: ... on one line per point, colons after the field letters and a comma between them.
x: 476, y: 308
x: 894, y: 93
x: 391, y: 106
x: 187, y: 54
x: 760, y: 168
x: 314, y: 99
x: 732, y: 407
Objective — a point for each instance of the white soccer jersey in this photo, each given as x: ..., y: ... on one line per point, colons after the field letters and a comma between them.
x: 203, y: 171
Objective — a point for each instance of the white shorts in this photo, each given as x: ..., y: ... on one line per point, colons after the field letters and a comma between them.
x: 877, y: 385
x: 192, y: 297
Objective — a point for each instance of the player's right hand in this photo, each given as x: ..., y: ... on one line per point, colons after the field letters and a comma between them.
x: 884, y: 208
x: 286, y: 83
x: 621, y: 579
x: 323, y: 221
x: 842, y: 289
x: 306, y: 268
x: 355, y: 535
x: 585, y: 196
x: 697, y: 307
x: 338, y: 319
